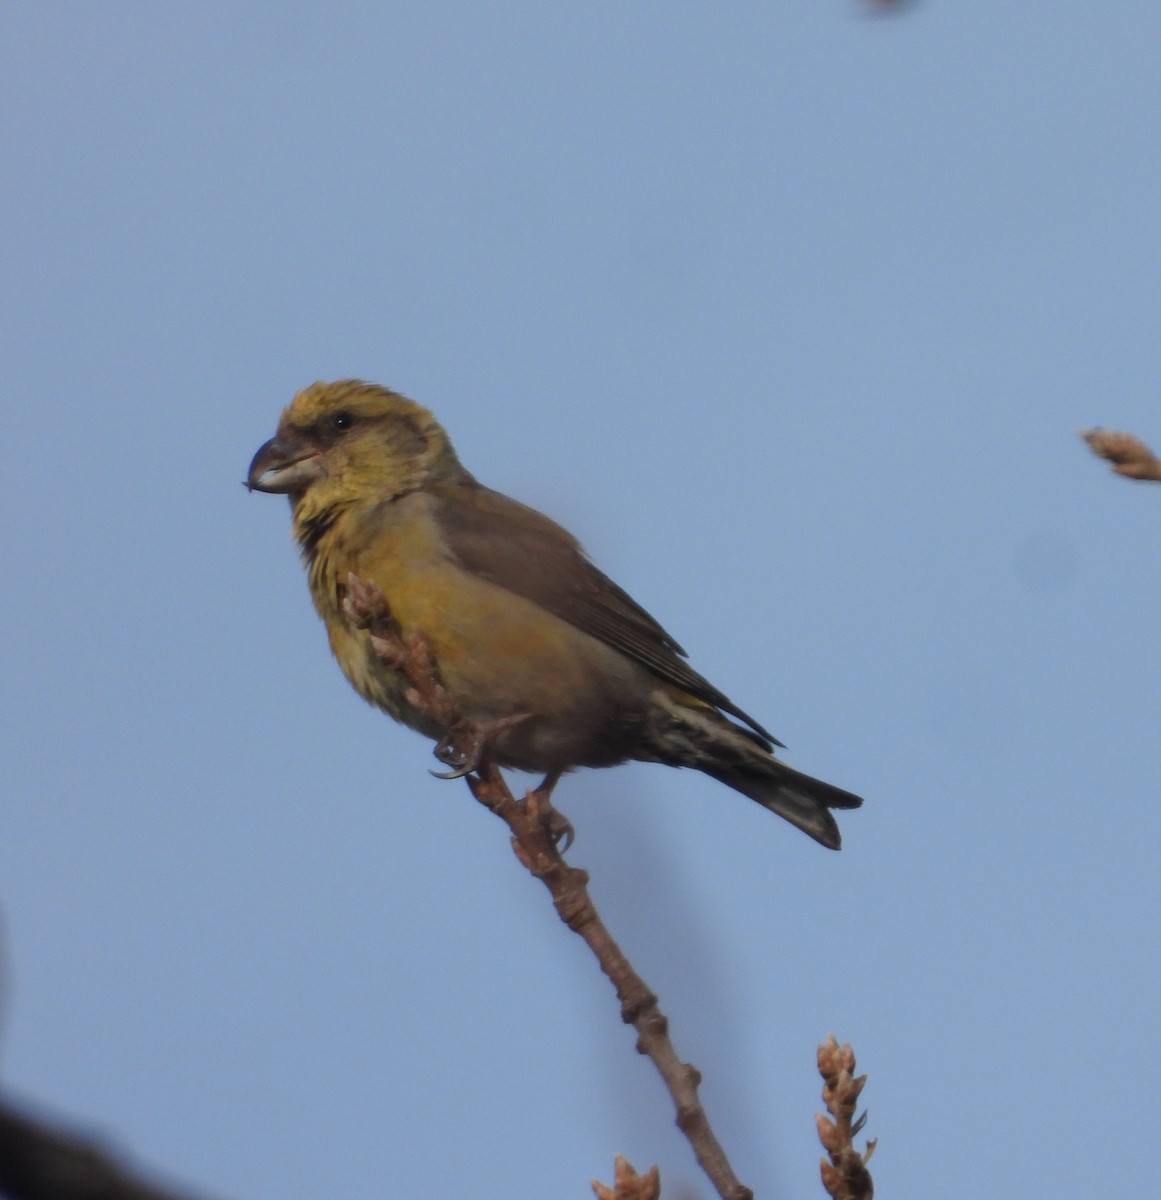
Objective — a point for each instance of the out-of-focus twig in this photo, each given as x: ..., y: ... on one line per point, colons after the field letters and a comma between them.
x: 1128, y: 454
x: 845, y: 1176
x: 38, y: 1162
x: 888, y: 7
x: 628, y: 1185
x: 534, y: 839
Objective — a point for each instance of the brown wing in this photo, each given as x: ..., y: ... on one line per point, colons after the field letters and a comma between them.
x: 521, y: 550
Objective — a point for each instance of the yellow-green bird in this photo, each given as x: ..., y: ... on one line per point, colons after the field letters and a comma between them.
x: 527, y: 636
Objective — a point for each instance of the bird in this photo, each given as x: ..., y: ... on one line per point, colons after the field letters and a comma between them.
x: 531, y: 641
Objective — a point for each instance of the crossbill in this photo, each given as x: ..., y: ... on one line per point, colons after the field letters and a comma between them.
x: 527, y: 636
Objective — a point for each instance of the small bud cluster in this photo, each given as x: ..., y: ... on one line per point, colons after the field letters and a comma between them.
x: 845, y: 1176
x: 628, y: 1185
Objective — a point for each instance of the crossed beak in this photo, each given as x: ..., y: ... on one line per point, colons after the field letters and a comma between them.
x: 284, y: 467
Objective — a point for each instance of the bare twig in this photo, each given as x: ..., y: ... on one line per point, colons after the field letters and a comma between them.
x: 534, y: 839
x: 534, y: 845
x: 1128, y: 454
x: 846, y: 1176
x: 628, y: 1185
x: 41, y: 1163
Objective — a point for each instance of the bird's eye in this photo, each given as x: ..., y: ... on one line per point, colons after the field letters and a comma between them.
x: 342, y: 421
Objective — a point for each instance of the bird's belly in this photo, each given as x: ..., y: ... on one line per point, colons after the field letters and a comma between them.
x: 502, y: 656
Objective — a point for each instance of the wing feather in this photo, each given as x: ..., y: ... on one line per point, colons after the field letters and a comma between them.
x: 521, y: 550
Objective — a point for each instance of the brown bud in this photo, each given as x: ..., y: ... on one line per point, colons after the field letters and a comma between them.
x: 832, y: 1178
x: 828, y: 1057
x: 628, y: 1185
x: 828, y: 1134
x: 1128, y: 454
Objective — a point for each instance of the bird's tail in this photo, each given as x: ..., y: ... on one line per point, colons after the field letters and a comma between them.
x: 803, y: 801
x: 685, y: 736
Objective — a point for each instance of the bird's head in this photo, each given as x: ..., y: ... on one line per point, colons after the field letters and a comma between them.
x: 344, y: 442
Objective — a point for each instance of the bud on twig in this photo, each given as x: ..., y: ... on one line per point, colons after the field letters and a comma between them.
x: 845, y: 1176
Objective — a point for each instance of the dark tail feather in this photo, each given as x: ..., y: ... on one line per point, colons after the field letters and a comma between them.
x: 684, y: 735
x: 801, y: 800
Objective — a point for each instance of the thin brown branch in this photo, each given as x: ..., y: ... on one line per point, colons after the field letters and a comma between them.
x: 534, y: 840
x: 845, y: 1176
x: 38, y: 1162
x: 628, y: 1185
x: 1128, y: 454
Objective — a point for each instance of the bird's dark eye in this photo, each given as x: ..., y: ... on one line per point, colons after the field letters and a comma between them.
x: 342, y: 421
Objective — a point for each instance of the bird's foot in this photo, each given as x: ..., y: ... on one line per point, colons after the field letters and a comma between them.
x: 465, y: 749
x: 559, y: 828
x: 463, y: 759
x: 539, y: 804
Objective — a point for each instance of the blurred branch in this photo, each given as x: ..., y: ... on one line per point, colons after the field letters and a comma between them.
x: 846, y: 1176
x: 1128, y: 454
x: 885, y: 9
x: 41, y: 1163
x: 534, y: 839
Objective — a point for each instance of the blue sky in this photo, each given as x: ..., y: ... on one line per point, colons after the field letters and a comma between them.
x: 791, y: 314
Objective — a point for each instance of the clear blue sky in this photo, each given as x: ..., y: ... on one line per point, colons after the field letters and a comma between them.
x: 791, y: 314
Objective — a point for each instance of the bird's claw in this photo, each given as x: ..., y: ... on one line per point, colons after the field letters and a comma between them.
x: 459, y: 773
x: 465, y: 752
x: 462, y: 762
x: 559, y: 828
